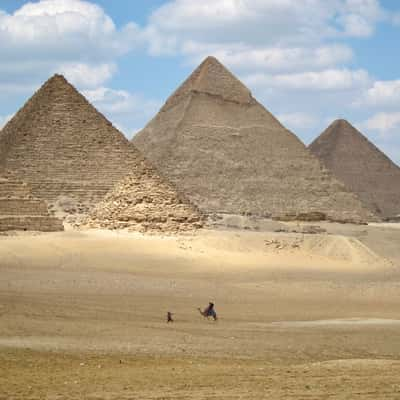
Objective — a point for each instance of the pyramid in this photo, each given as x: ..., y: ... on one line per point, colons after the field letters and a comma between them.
x: 228, y: 154
x: 21, y: 211
x: 363, y: 168
x: 63, y: 147
x: 145, y: 203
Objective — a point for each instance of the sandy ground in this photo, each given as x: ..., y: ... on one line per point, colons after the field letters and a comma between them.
x: 82, y: 315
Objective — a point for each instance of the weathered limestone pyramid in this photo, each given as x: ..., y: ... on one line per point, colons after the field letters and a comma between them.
x: 21, y: 211
x: 358, y: 163
x: 64, y: 148
x: 145, y: 203
x: 227, y: 153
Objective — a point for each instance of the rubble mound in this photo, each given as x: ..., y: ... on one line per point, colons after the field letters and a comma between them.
x: 21, y: 211
x: 228, y: 154
x: 364, y: 169
x: 145, y: 203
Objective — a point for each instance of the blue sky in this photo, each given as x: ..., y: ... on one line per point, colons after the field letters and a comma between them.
x: 308, y: 61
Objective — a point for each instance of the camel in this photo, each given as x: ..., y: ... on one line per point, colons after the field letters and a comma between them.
x: 208, y: 312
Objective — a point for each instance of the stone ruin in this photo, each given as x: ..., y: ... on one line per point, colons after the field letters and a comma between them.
x: 228, y: 154
x: 21, y: 211
x: 145, y: 203
x: 364, y: 169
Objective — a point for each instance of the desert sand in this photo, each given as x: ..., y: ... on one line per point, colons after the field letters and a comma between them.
x: 83, y: 314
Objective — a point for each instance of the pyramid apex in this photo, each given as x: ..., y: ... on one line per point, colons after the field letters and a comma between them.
x: 357, y: 162
x: 211, y: 60
x: 341, y: 121
x: 212, y: 78
x: 58, y: 77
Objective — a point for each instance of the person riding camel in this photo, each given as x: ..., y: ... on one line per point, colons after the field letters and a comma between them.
x: 209, y: 311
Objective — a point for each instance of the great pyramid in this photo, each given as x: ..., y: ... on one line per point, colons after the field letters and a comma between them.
x: 145, y: 203
x: 358, y: 163
x: 228, y: 154
x: 21, y: 211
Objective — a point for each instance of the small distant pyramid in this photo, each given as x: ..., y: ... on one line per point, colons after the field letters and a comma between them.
x: 21, y: 211
x: 228, y: 154
x: 145, y: 203
x: 363, y: 168
x: 64, y: 148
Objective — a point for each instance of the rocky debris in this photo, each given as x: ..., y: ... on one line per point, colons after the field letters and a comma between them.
x: 283, y: 245
x: 363, y: 168
x: 228, y: 154
x: 21, y: 211
x: 145, y: 203
x: 309, y: 217
x: 305, y: 229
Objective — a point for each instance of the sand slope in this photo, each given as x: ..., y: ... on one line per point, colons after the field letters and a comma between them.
x: 300, y: 315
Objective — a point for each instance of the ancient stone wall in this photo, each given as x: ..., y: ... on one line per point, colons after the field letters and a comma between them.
x: 20, y: 210
x: 145, y: 203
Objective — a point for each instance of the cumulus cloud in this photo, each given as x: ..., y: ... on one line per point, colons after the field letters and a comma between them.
x: 387, y: 124
x: 64, y: 27
x: 124, y: 108
x: 120, y: 101
x: 273, y: 59
x: 86, y: 75
x: 259, y: 22
x: 297, y: 120
x: 381, y: 93
x: 72, y: 36
x: 327, y: 80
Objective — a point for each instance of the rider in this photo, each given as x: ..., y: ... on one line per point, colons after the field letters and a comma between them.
x: 210, y: 311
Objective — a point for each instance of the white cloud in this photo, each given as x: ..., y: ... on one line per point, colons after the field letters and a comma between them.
x: 382, y: 93
x: 280, y: 23
x: 273, y: 59
x: 327, y: 80
x: 85, y: 75
x: 297, y: 120
x: 72, y: 36
x: 359, y: 17
x: 126, y: 110
x: 120, y: 101
x: 66, y: 27
x: 387, y: 124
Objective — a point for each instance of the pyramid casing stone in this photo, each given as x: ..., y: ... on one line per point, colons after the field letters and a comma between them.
x: 228, y: 154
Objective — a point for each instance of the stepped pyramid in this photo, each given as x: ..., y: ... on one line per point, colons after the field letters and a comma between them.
x: 65, y: 149
x: 228, y: 154
x: 20, y: 210
x: 358, y: 163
